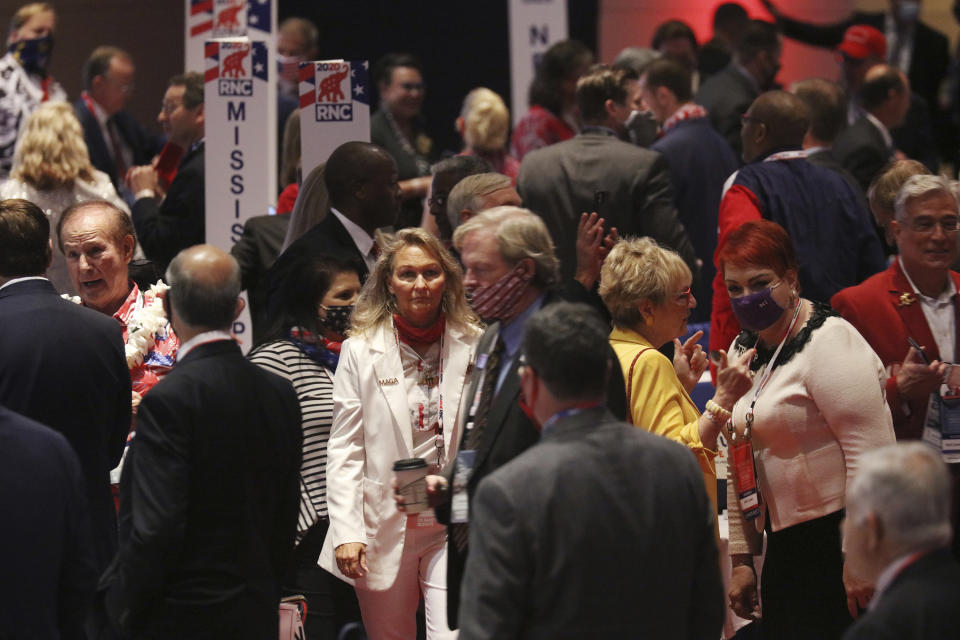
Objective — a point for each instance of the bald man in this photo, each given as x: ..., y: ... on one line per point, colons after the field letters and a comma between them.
x: 210, y: 489
x: 831, y: 229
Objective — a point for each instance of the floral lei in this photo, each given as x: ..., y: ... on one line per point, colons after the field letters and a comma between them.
x: 144, y: 324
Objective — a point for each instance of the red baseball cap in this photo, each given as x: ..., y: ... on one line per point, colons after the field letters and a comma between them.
x: 861, y: 41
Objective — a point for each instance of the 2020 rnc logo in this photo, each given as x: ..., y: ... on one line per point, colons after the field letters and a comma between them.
x: 235, y: 73
x: 334, y: 92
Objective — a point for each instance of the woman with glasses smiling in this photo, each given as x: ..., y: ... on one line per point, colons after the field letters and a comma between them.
x: 815, y: 406
x: 647, y: 290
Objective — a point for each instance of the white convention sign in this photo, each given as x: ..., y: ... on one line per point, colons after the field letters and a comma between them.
x: 209, y: 19
x: 334, y: 107
x: 241, y: 177
x: 534, y: 26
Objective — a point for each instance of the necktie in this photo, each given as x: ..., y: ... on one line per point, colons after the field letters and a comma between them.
x: 461, y: 531
x: 117, y: 151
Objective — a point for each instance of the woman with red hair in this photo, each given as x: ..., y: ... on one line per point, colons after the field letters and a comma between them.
x: 816, y: 405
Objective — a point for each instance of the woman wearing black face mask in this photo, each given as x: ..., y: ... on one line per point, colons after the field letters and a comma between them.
x: 305, y: 350
x: 816, y: 404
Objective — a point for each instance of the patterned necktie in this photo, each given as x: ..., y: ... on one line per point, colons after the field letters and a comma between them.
x: 117, y: 151
x: 461, y: 531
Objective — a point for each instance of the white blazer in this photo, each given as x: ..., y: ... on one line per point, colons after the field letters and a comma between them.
x: 371, y: 430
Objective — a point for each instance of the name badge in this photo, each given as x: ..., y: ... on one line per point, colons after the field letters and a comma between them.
x: 942, y: 427
x: 745, y: 478
x: 459, y: 501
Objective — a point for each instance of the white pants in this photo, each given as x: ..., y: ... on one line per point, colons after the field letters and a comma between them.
x: 391, y: 614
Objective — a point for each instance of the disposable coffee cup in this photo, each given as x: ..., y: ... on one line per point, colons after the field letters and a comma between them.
x: 411, y: 483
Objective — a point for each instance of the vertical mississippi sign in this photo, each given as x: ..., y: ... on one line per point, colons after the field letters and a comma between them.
x: 334, y: 107
x: 208, y: 19
x: 240, y: 122
x: 534, y: 26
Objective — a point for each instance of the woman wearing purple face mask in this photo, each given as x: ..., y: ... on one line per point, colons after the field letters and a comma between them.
x: 816, y: 405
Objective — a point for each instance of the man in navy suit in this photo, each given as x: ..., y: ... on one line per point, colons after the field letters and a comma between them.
x: 210, y: 488
x: 62, y: 365
x: 114, y: 139
x: 897, y: 537
x: 700, y: 160
x: 49, y: 572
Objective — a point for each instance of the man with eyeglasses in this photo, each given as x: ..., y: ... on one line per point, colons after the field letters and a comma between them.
x: 179, y: 221
x: 115, y: 140
x: 916, y: 297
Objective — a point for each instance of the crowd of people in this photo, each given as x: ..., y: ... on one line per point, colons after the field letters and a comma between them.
x: 529, y: 323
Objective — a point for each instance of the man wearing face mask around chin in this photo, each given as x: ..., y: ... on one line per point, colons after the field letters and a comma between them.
x: 24, y: 81
x: 510, y: 272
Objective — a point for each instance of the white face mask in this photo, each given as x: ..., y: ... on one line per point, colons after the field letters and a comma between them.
x: 908, y: 11
x: 288, y: 72
x: 642, y: 127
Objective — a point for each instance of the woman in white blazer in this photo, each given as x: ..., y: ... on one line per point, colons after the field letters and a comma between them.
x: 396, y: 395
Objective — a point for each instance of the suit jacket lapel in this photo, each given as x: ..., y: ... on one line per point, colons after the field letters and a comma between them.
x: 455, y: 356
x: 484, y: 348
x: 388, y: 370
x: 505, y: 400
x: 908, y: 305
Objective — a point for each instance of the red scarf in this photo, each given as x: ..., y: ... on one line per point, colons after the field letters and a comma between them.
x: 411, y: 334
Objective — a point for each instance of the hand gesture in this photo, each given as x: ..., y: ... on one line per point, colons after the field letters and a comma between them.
x: 733, y: 379
x: 592, y: 248
x: 352, y: 559
x: 917, y: 379
x: 858, y: 591
x: 743, y: 593
x: 689, y: 361
x: 140, y: 178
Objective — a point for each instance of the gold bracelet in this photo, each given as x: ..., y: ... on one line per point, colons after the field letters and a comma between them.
x: 717, y: 410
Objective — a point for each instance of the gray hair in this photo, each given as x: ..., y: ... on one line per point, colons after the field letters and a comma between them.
x: 467, y: 194
x: 201, y: 300
x: 920, y: 186
x: 907, y: 487
x: 520, y: 234
x: 636, y: 58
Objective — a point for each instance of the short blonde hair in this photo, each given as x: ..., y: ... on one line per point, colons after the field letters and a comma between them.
x: 883, y: 190
x: 486, y: 120
x: 638, y: 269
x: 51, y: 152
x: 376, y: 304
x: 466, y: 193
x: 24, y: 13
x: 520, y: 234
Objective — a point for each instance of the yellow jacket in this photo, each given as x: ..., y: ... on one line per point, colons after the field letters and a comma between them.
x: 659, y: 403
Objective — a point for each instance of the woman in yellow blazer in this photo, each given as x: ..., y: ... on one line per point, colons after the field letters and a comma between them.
x: 647, y: 290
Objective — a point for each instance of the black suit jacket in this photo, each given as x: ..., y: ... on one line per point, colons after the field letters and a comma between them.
x: 49, y: 570
x: 601, y: 530
x: 164, y: 229
x: 209, y: 499
x: 63, y: 365
x: 256, y: 251
x: 508, y: 433
x: 862, y: 151
x: 928, y: 63
x: 328, y: 238
x: 727, y: 95
x: 143, y: 144
x: 922, y: 603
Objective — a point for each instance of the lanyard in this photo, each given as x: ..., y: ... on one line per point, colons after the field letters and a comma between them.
x: 786, y: 155
x: 766, y: 377
x: 565, y: 413
x: 438, y: 429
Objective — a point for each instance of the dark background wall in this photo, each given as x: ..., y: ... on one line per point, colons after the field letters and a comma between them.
x: 463, y: 44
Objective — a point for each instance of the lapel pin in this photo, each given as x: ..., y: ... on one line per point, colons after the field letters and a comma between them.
x: 907, y: 299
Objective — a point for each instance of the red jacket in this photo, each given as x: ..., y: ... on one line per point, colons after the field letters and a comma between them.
x: 886, y: 311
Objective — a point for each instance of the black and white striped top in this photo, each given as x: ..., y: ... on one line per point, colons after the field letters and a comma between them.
x: 314, y: 386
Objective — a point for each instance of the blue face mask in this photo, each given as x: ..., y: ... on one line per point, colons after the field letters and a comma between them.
x: 908, y: 11
x: 33, y: 55
x: 757, y: 311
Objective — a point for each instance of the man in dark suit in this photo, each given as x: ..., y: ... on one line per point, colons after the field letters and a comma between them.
x: 893, y: 305
x: 361, y: 180
x: 114, y: 139
x: 210, y: 488
x: 866, y: 146
x: 256, y: 251
x: 61, y: 364
x: 700, y: 161
x: 49, y: 570
x: 727, y: 94
x: 925, y: 50
x: 507, y: 289
x: 179, y: 221
x: 598, y: 171
x: 593, y: 484
x: 896, y: 537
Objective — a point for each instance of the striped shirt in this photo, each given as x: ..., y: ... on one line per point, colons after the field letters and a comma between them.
x: 314, y: 386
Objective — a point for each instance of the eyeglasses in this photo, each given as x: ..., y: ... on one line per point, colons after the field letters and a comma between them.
x: 949, y: 224
x: 437, y: 200
x: 412, y: 86
x: 684, y: 296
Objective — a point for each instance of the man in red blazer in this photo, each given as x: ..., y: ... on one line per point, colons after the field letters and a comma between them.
x: 915, y: 297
